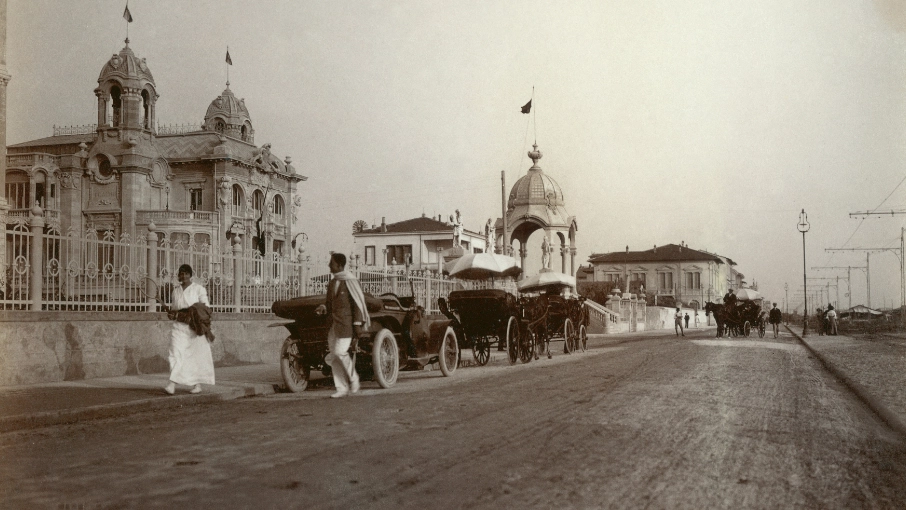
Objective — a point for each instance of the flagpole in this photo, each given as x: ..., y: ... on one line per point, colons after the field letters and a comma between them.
x: 227, y: 64
x: 535, y: 114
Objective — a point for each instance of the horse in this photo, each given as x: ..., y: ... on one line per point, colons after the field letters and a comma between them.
x: 720, y: 316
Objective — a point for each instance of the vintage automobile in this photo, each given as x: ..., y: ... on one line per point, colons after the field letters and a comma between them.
x: 401, y: 337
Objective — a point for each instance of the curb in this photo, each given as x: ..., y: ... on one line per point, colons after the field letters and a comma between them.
x: 61, y: 417
x: 883, y: 413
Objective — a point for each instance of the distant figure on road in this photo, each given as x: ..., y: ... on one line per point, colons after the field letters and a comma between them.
x: 696, y: 318
x: 774, y: 318
x: 678, y: 323
x: 831, y: 320
x: 819, y: 315
x: 686, y: 319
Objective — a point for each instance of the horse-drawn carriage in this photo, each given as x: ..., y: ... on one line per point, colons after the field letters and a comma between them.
x: 483, y: 318
x: 554, y: 312
x: 401, y: 337
x: 739, y: 319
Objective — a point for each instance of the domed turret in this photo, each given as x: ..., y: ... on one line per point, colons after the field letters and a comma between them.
x: 126, y: 92
x: 535, y: 187
x: 229, y: 116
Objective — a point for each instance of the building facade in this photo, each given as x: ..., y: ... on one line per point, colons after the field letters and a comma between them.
x: 423, y: 242
x: 193, y: 185
x: 692, y: 277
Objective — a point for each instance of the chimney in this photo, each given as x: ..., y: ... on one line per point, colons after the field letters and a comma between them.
x: 383, y: 223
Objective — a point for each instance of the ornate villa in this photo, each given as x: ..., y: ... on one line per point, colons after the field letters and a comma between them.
x: 201, y: 184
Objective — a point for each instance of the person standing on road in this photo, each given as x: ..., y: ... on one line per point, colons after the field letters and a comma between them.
x: 831, y: 320
x: 774, y: 318
x: 686, y: 319
x: 819, y: 315
x: 678, y: 323
x: 191, y: 362
x: 347, y: 315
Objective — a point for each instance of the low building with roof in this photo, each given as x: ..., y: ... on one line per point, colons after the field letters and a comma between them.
x: 689, y: 276
x: 424, y: 242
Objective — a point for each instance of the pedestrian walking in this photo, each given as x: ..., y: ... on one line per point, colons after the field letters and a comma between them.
x: 191, y: 362
x: 774, y: 317
x: 696, y: 319
x: 831, y: 315
x: 678, y: 323
x: 686, y: 319
x: 348, y: 315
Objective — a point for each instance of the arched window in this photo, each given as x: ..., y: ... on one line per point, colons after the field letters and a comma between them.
x: 279, y: 206
x: 219, y: 126
x: 238, y: 200
x: 258, y: 201
x: 117, y: 104
x: 244, y: 132
x: 146, y: 110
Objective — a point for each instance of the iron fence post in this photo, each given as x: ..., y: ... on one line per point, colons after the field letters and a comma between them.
x: 151, y: 238
x: 237, y: 274
x: 37, y: 241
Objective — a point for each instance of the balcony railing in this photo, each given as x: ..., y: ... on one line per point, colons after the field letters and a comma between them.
x: 177, y: 217
x: 31, y: 159
x: 75, y: 130
x: 15, y: 214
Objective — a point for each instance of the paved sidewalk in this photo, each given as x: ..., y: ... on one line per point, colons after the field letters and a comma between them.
x: 40, y: 405
x: 873, y: 367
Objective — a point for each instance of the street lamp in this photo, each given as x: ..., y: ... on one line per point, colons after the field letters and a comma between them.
x: 803, y: 227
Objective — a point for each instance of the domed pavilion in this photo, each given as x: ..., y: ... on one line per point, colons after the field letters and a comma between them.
x: 536, y: 202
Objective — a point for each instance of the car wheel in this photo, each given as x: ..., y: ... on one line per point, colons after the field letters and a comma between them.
x: 481, y: 350
x: 385, y: 358
x: 449, y: 353
x: 292, y: 367
x: 582, y: 339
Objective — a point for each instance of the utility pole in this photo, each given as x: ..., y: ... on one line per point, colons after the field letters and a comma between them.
x: 868, y: 253
x: 901, y: 255
x: 828, y: 285
x: 848, y: 277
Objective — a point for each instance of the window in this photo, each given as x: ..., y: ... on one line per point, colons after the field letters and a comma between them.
x: 612, y: 277
x: 278, y: 247
x: 639, y: 278
x: 369, y: 256
x: 665, y: 281
x: 104, y: 167
x: 399, y: 254
x: 195, y: 199
x: 693, y: 281
x: 238, y: 200
x: 258, y: 201
x: 18, y: 191
x: 279, y: 206
x: 219, y: 126
x: 146, y: 112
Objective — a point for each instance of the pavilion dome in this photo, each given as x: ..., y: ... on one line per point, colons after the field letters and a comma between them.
x: 127, y: 69
x: 536, y: 187
x: 228, y: 115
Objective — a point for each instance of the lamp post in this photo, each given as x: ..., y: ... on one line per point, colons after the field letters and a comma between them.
x: 786, y: 302
x: 803, y: 227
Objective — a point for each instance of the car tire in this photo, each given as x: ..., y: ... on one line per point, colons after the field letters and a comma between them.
x: 385, y: 358
x: 292, y: 367
x: 448, y: 358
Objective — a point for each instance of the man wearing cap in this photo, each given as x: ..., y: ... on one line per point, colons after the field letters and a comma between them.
x: 774, y: 318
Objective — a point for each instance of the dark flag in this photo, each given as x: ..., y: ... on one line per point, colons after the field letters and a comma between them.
x: 228, y: 59
x: 127, y: 15
x: 527, y: 107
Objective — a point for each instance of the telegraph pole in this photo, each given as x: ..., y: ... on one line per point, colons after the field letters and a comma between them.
x: 901, y: 255
x: 849, y: 289
x: 868, y: 253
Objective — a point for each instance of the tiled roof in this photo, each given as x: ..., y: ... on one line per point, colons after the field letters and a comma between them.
x: 58, y: 140
x: 422, y: 224
x: 666, y: 253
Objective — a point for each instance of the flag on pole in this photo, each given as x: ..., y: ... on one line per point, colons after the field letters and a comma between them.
x: 229, y: 61
x: 527, y: 107
x: 127, y: 15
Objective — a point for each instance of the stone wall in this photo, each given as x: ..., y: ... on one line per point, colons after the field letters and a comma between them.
x: 37, y: 347
x: 661, y: 317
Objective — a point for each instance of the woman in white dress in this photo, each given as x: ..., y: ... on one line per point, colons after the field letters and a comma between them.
x: 191, y: 362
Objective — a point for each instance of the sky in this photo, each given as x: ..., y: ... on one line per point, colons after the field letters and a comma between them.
x: 709, y: 123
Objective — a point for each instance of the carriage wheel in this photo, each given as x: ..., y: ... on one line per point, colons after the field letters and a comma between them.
x: 512, y: 340
x: 449, y: 353
x: 761, y: 328
x: 582, y: 339
x: 526, y: 346
x: 481, y: 350
x: 385, y: 358
x: 746, y: 329
x: 292, y: 367
x: 569, y: 336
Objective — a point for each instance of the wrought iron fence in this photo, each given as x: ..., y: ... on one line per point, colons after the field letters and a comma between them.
x: 100, y: 271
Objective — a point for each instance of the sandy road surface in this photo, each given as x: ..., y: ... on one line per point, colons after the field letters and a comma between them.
x: 650, y: 423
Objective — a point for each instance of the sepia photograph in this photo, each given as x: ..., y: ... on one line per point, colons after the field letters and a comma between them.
x: 453, y: 254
